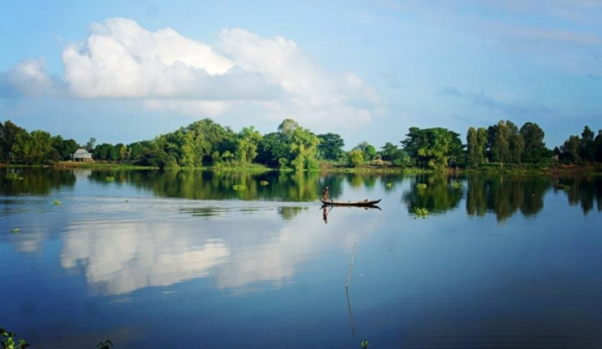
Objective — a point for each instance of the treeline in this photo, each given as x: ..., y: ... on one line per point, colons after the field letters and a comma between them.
x: 206, y: 143
x: 32, y: 148
x: 506, y: 143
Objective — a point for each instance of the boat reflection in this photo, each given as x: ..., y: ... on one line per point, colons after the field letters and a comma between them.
x: 327, y: 208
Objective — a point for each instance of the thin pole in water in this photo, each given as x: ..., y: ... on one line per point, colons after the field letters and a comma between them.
x: 351, y: 265
x: 350, y: 313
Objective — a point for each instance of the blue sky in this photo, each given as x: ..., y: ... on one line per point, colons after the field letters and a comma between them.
x: 123, y: 71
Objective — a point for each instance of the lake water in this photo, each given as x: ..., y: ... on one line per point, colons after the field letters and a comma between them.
x: 181, y: 260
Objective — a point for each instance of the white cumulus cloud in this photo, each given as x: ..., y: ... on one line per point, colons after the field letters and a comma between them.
x: 28, y: 77
x: 170, y: 72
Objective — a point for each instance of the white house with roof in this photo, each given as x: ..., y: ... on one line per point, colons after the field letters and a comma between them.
x: 82, y: 155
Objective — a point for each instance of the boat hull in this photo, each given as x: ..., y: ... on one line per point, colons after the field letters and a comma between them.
x: 351, y: 203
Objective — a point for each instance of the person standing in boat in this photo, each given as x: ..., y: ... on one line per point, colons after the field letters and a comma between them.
x: 325, y: 193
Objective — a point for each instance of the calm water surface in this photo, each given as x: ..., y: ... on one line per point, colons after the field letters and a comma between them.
x: 181, y: 260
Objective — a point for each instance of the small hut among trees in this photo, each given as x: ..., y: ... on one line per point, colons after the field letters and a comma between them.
x: 82, y: 155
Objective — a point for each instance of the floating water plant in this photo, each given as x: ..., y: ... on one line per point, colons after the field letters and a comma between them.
x: 364, y: 344
x: 110, y: 178
x: 421, y: 185
x: 389, y: 185
x: 239, y: 187
x: 264, y: 183
x: 562, y: 186
x: 421, y: 212
x: 57, y: 202
x: 9, y: 340
x: 15, y: 231
x: 13, y: 176
x: 457, y: 185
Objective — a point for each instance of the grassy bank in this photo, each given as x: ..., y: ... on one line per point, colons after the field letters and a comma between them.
x: 589, y: 169
x: 329, y: 167
x: 100, y: 166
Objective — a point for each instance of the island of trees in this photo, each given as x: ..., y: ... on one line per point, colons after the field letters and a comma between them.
x: 205, y: 143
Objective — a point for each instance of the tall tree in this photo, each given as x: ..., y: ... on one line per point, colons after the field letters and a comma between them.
x: 482, y: 142
x: 103, y: 151
x: 273, y: 150
x: 500, y: 148
x: 303, y: 149
x: 476, y: 149
x: 42, y: 146
x: 64, y: 147
x: 123, y: 150
x: 9, y: 136
x: 598, y: 146
x: 288, y: 127
x: 517, y: 147
x: 246, y: 145
x: 491, y: 135
x: 516, y: 143
x: 33, y: 148
x: 331, y: 146
x: 90, y: 144
x: 116, y: 152
x: 390, y: 152
x: 433, y: 147
x: 570, y: 149
x: 535, y: 149
x: 22, y: 148
x: 193, y: 145
x: 356, y: 157
x: 368, y: 150
x: 587, y: 147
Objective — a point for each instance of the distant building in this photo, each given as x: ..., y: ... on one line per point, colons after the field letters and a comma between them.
x: 82, y: 155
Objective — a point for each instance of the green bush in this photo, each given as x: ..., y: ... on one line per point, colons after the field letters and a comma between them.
x: 9, y: 341
x: 239, y: 187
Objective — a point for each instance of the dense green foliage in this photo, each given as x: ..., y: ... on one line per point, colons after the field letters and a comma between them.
x: 356, y: 157
x: 331, y: 146
x: 476, y: 142
x: 581, y: 150
x: 435, y: 148
x: 205, y: 143
x: 9, y: 340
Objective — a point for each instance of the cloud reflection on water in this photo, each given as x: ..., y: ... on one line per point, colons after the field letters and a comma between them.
x: 238, y: 251
x: 118, y: 259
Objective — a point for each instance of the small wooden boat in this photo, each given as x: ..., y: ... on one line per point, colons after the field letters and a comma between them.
x: 351, y: 203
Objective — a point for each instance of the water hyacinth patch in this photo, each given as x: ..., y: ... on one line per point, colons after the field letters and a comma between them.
x: 13, y: 176
x: 421, y: 212
x: 239, y: 187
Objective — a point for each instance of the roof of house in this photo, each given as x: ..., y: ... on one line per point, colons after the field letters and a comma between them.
x: 82, y: 153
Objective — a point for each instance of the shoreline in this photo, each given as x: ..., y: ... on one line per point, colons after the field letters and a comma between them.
x: 528, y: 169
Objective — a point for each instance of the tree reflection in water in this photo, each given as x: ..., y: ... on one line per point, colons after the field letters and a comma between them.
x: 583, y: 191
x: 440, y: 194
x: 505, y: 195
x: 38, y: 181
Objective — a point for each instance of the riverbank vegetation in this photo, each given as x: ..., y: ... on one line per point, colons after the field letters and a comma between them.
x: 206, y: 144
